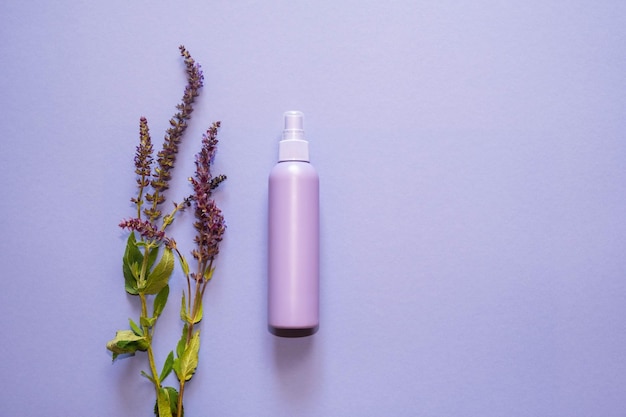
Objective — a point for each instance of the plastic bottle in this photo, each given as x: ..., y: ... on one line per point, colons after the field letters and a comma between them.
x: 293, y: 287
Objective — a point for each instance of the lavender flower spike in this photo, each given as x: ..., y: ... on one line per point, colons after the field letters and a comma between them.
x: 209, y: 219
x: 147, y: 231
x: 143, y: 162
x: 166, y: 157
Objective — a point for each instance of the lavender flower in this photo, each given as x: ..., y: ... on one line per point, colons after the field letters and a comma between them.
x: 143, y: 162
x: 147, y: 231
x: 143, y: 156
x: 209, y: 219
x: 178, y: 124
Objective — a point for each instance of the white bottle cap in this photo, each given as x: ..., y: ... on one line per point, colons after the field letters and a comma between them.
x: 293, y: 146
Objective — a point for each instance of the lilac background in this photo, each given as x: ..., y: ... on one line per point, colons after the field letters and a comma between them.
x: 473, y: 203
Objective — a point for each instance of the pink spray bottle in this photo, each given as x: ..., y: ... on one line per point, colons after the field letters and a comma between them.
x: 293, y: 287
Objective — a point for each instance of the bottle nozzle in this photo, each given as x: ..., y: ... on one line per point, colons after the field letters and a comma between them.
x: 293, y: 146
x: 293, y: 125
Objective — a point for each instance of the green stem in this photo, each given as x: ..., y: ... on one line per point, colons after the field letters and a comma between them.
x: 181, y: 391
x: 194, y: 308
x: 146, y: 329
x: 140, y: 197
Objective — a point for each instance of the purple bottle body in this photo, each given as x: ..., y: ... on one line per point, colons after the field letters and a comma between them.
x: 293, y: 267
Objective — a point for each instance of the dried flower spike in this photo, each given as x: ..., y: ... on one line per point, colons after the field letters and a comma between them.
x: 178, y: 124
x: 146, y: 230
x: 209, y: 219
x: 143, y: 162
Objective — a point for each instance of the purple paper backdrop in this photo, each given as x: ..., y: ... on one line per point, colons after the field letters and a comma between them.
x: 471, y: 157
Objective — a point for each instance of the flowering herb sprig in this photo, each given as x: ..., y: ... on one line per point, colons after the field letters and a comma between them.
x: 210, y: 227
x: 148, y: 279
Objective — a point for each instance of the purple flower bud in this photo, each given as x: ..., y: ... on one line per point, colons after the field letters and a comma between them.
x: 146, y: 230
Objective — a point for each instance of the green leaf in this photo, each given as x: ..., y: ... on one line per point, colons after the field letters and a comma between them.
x: 152, y: 256
x: 147, y: 321
x: 184, y: 316
x: 180, y: 347
x: 132, y: 253
x: 160, y: 300
x: 163, y: 403
x: 198, y: 316
x: 132, y: 256
x: 184, y: 265
x: 186, y: 365
x: 135, y: 328
x: 173, y: 397
x: 208, y: 274
x: 167, y: 367
x: 160, y: 275
x: 126, y: 342
x: 147, y: 376
x: 135, y: 269
x: 130, y: 283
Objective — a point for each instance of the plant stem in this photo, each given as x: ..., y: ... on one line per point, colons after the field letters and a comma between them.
x: 194, y: 308
x: 146, y: 329
x: 197, y: 300
x: 148, y: 335
x: 140, y: 196
x: 181, y: 391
